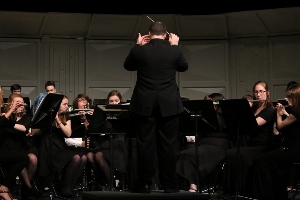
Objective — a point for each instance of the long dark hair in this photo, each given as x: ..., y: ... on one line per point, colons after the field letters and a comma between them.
x: 293, y: 93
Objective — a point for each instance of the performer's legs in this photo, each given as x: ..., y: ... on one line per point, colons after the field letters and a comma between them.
x: 168, y: 130
x: 17, y: 163
x: 72, y: 168
x: 100, y: 167
x: 145, y: 128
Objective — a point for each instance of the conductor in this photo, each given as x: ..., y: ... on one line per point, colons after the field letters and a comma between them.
x: 156, y: 105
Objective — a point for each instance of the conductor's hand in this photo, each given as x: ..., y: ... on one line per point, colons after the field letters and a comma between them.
x: 142, y: 40
x: 173, y: 39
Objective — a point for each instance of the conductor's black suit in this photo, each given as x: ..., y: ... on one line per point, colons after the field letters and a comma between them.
x: 156, y: 105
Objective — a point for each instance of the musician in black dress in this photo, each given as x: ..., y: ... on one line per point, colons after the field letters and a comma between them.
x: 18, y: 139
x: 80, y: 120
x: 53, y: 141
x: 271, y: 169
x: 14, y: 161
x: 258, y: 144
x: 100, y: 156
x: 211, y: 151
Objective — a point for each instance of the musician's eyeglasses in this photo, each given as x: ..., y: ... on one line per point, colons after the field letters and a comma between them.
x: 82, y: 100
x: 259, y: 91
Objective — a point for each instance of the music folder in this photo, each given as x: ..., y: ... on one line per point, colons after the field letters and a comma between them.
x: 118, y: 115
x: 45, y: 114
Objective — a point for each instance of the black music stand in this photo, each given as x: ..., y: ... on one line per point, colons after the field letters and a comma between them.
x: 98, y: 125
x: 43, y: 118
x: 239, y: 119
x: 115, y: 117
x: 199, y: 113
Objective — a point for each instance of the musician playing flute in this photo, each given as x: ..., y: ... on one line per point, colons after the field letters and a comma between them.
x: 271, y: 170
x: 53, y: 148
x: 259, y: 143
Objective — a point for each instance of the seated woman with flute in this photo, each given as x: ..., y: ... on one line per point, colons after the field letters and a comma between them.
x: 259, y: 143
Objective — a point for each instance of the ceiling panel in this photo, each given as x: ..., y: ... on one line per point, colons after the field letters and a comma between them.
x: 267, y: 23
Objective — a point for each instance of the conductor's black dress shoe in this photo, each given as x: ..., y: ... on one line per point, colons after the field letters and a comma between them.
x: 143, y: 188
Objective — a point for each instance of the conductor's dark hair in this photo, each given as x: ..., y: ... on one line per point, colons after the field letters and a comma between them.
x: 158, y: 28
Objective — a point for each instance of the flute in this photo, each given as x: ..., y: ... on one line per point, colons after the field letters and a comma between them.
x: 254, y: 100
x: 8, y: 104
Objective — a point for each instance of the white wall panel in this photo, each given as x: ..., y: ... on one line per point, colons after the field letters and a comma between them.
x: 19, y: 61
x: 208, y: 65
x: 105, y: 71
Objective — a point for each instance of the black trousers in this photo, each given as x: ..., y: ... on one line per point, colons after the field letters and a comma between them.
x: 157, y: 136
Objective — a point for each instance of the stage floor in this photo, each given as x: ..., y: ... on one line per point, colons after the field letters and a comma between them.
x: 155, y: 194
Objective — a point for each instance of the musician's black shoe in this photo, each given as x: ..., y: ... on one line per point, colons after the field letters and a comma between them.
x: 143, y: 188
x: 171, y: 190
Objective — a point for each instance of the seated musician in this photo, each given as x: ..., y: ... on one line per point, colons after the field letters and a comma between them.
x: 15, y: 139
x: 99, y: 157
x: 80, y: 120
x: 259, y: 143
x: 211, y: 151
x: 272, y: 168
x: 15, y: 160
x: 54, y: 154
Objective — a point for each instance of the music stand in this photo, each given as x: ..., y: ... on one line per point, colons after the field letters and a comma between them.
x: 43, y: 118
x: 110, y: 118
x: 203, y: 115
x: 239, y: 119
x: 98, y: 125
x: 99, y: 101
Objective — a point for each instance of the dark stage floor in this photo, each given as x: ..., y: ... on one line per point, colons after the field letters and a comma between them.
x: 154, y: 195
